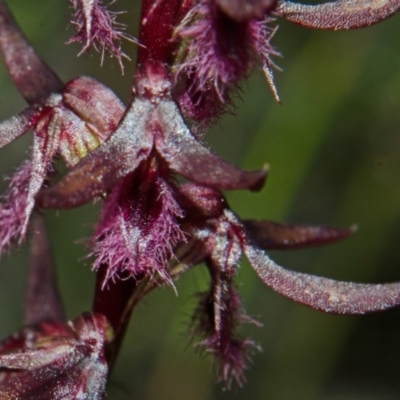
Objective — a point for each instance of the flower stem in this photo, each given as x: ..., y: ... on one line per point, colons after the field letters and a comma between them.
x: 156, y: 28
x: 111, y: 301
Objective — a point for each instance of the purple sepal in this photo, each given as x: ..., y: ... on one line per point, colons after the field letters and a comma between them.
x: 272, y: 235
x: 338, y: 15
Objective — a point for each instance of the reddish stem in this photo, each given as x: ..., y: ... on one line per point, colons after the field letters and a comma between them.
x: 158, y: 20
x: 113, y: 301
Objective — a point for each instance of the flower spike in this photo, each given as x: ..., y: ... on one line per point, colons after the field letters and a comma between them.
x: 340, y: 14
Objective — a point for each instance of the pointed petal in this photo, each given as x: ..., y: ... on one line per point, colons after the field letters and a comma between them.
x: 16, y: 126
x: 338, y: 15
x: 26, y: 183
x: 29, y: 180
x: 273, y: 235
x: 102, y: 168
x: 322, y: 293
x: 43, y: 151
x: 42, y: 300
x: 32, y: 77
x: 187, y: 156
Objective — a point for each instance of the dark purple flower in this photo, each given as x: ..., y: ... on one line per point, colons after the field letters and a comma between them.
x: 151, y: 143
x: 71, y: 123
x: 140, y: 220
x: 218, y: 237
x: 219, y: 41
x: 139, y: 224
x: 225, y: 237
x: 154, y: 225
x: 215, y: 54
x: 56, y: 361
x: 151, y: 126
x: 51, y: 359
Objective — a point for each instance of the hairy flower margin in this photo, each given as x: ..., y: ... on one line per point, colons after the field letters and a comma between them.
x: 97, y: 27
x: 218, y: 42
x: 164, y: 211
x: 216, y: 53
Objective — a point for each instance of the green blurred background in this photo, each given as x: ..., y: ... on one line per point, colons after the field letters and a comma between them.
x: 334, y: 151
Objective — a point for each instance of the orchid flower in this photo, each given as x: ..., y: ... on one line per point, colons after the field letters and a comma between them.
x: 71, y: 123
x: 51, y: 359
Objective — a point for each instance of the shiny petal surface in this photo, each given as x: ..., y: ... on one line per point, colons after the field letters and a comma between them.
x: 320, y: 293
x: 339, y: 15
x: 187, y: 156
x: 102, y: 168
x: 95, y: 104
x: 273, y: 235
